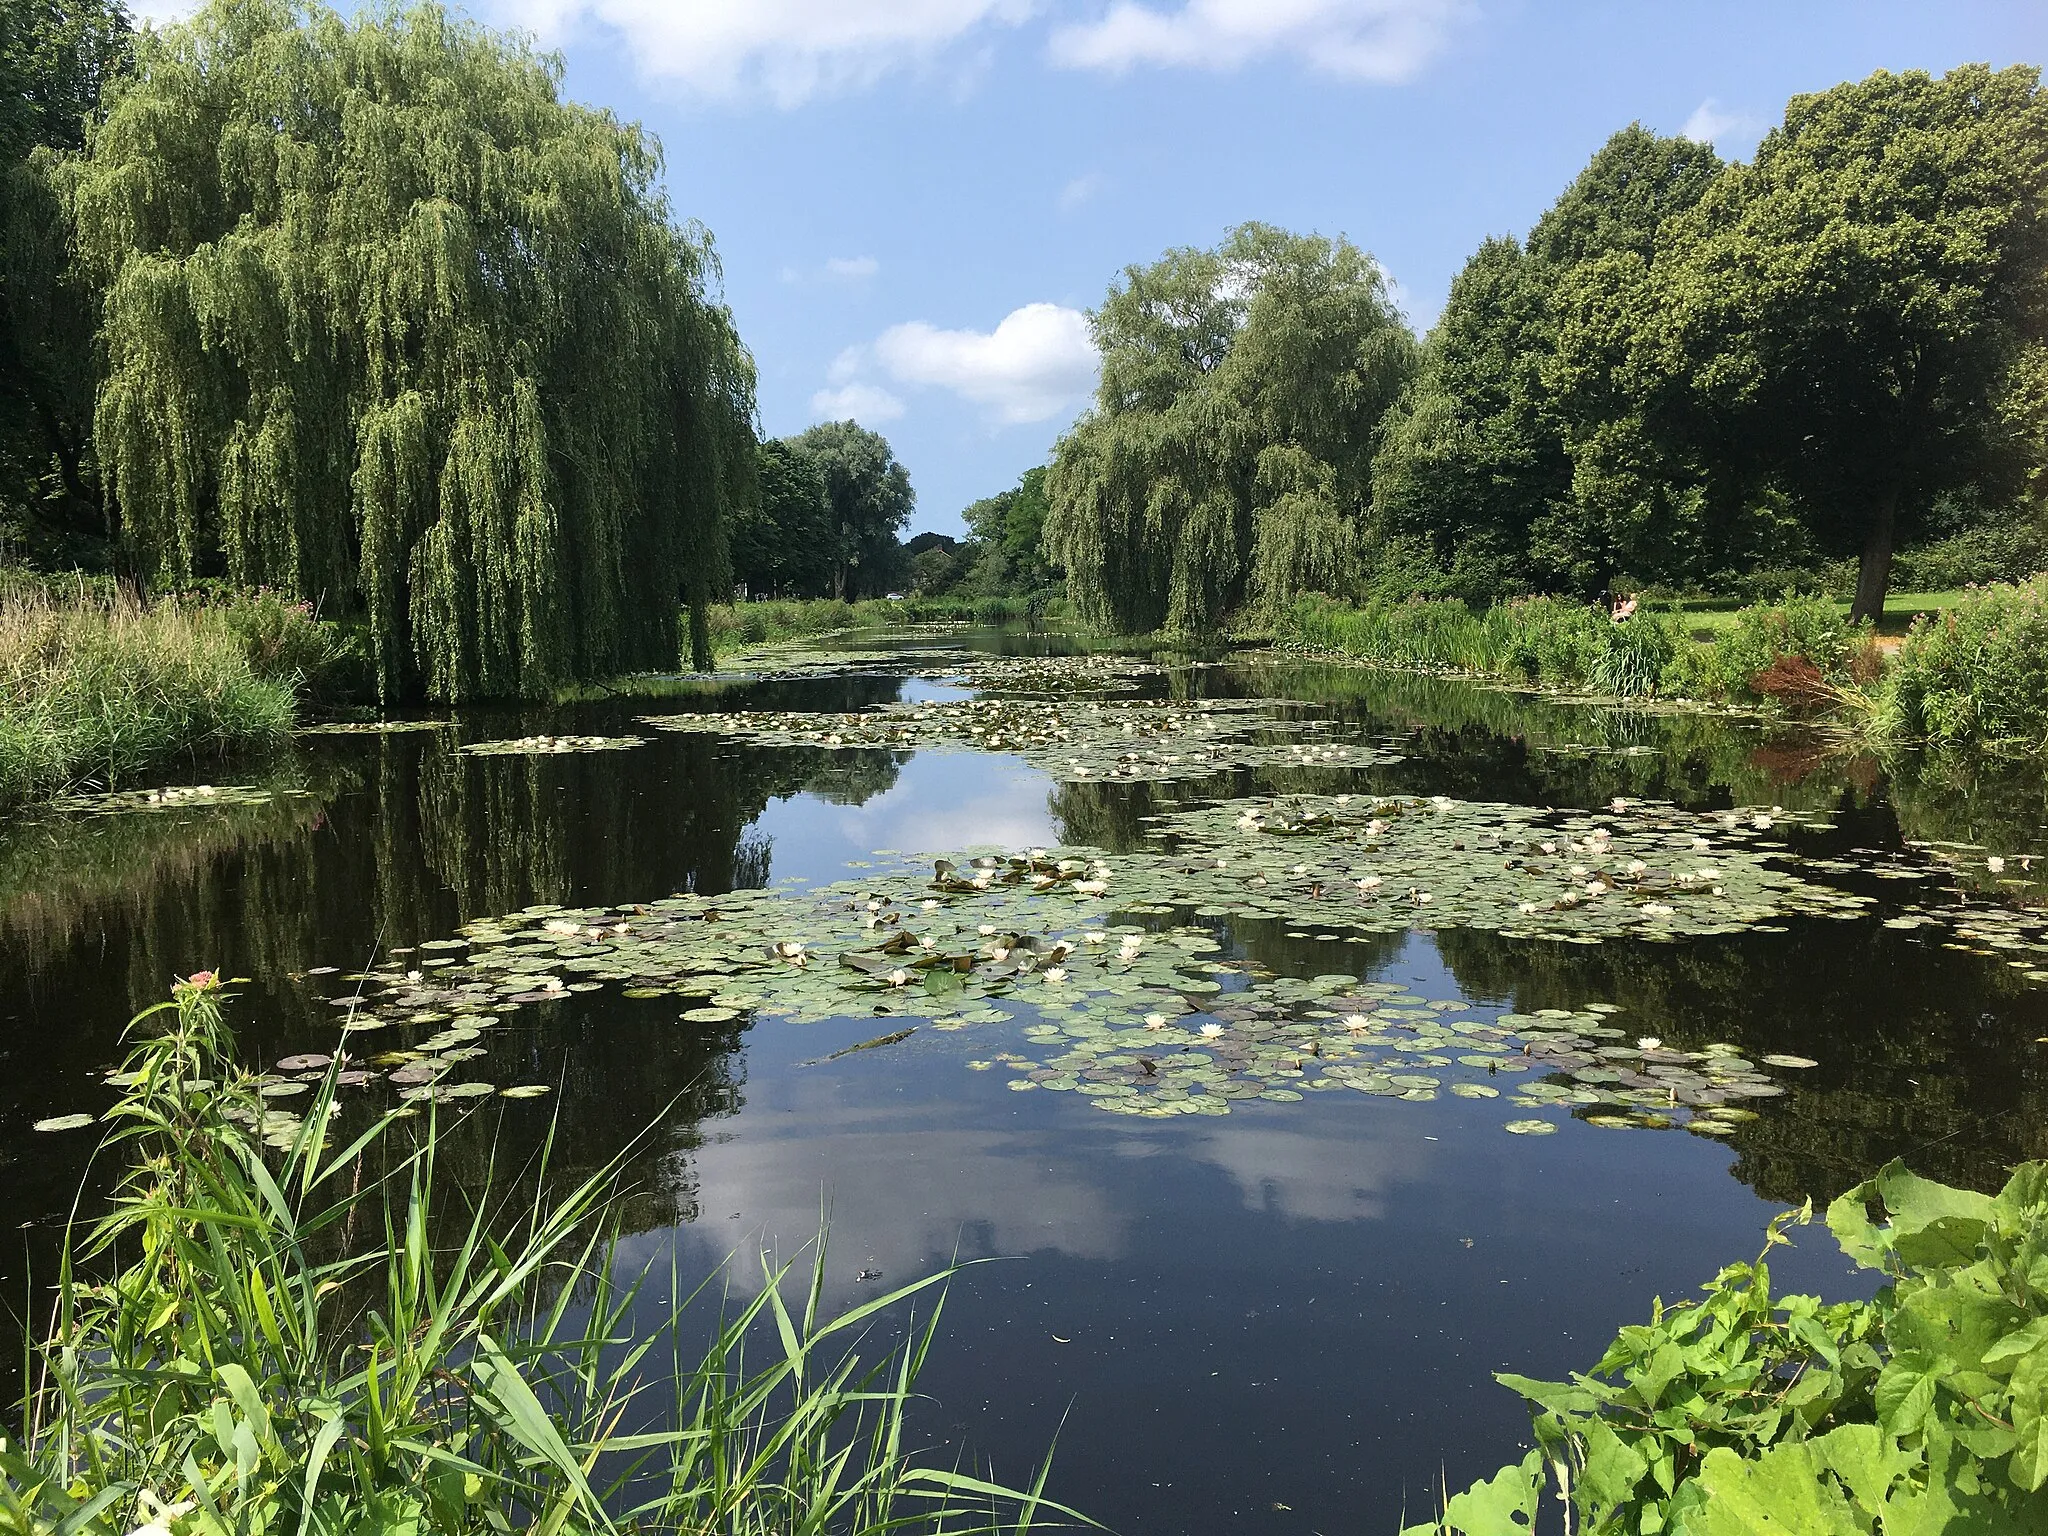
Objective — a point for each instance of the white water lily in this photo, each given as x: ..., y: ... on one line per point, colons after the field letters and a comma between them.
x: 552, y: 984
x: 1648, y: 1043
x: 1617, y: 804
x: 1096, y: 936
x: 899, y: 978
x: 1637, y: 866
x: 1091, y: 887
x: 1595, y: 888
x: 1056, y: 975
x: 1529, y: 906
x: 1370, y: 883
x: 931, y: 906
x: 415, y: 975
x: 1211, y: 1031
x: 1357, y: 1023
x: 558, y: 925
x: 998, y: 953
x: 987, y: 929
x: 1343, y: 799
x: 1549, y: 847
x: 1376, y: 827
x: 1658, y: 909
x: 1037, y: 853
x: 928, y: 943
x: 1155, y: 1021
x: 1995, y: 864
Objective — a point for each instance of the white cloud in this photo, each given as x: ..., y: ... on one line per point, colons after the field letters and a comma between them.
x: 868, y: 404
x: 788, y: 50
x: 1037, y: 362
x: 161, y: 11
x: 1080, y: 190
x: 1380, y: 40
x: 1711, y: 123
x: 852, y: 269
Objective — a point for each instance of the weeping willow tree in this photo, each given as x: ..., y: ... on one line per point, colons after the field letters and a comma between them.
x: 390, y: 325
x: 1229, y: 454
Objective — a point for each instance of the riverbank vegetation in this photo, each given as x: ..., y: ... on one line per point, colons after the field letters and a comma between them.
x: 1924, y: 1408
x: 98, y: 688
x: 1971, y: 674
x: 272, y: 1329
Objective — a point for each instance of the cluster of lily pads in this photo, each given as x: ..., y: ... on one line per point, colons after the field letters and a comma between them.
x: 1335, y: 1032
x: 177, y: 797
x: 1071, y: 740
x: 1641, y: 870
x: 543, y: 745
x: 1159, y: 1019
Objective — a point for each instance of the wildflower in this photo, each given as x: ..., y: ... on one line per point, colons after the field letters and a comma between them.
x: 203, y: 981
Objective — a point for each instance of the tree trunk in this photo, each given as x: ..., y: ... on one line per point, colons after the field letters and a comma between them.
x: 1874, y: 576
x: 701, y: 659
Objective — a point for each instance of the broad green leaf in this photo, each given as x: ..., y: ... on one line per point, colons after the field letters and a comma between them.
x: 1905, y: 1390
x: 1779, y: 1493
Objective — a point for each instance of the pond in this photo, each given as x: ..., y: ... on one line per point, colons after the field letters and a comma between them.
x: 1309, y: 1042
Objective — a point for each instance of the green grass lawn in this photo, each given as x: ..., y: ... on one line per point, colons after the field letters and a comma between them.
x: 1707, y: 616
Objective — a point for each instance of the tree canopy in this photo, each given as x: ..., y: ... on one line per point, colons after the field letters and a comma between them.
x: 1692, y: 370
x: 1864, y: 305
x: 782, y: 543
x: 1477, y: 490
x: 56, y: 60
x: 869, y: 500
x: 388, y: 324
x: 1229, y: 452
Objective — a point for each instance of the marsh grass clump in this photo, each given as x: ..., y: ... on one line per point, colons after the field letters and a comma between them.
x: 101, y: 689
x: 290, y: 1327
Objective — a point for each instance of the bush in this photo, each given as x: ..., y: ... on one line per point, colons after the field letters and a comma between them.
x: 1923, y: 1409
x: 291, y: 1341
x: 102, y: 691
x: 1976, y: 674
x: 1764, y: 635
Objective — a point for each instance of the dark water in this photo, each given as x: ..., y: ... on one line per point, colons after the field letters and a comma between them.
x: 1283, y: 1319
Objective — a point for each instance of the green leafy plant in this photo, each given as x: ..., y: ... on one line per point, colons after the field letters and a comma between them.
x: 1976, y: 675
x: 270, y: 1331
x: 1924, y: 1409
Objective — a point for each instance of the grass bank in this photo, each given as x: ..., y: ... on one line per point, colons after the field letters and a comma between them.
x: 280, y: 1327
x: 736, y: 626
x: 98, y: 688
x: 1973, y: 673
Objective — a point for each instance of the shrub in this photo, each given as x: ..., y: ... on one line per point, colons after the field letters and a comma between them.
x: 1765, y: 634
x: 1923, y: 1409
x: 1976, y: 674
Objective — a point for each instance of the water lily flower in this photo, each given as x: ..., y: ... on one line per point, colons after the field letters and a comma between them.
x: 1700, y: 845
x: 1155, y: 1021
x: 1211, y: 1031
x: 1377, y: 826
x: 1617, y: 804
x: 931, y: 906
x: 415, y: 976
x: 1370, y: 883
x: 1037, y: 854
x: 1096, y: 936
x: 1658, y: 909
x: 1357, y: 1023
x: 1529, y: 906
x: 987, y: 929
x: 929, y: 943
x: 552, y: 984
x: 558, y: 925
x: 1648, y: 1043
x: 998, y: 953
x: 1637, y: 866
x: 899, y: 978
x: 1091, y: 887
x: 1056, y: 975
x: 1995, y: 864
x: 1343, y: 799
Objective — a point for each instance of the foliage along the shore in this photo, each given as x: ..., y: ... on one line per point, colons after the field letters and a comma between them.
x: 1922, y: 1409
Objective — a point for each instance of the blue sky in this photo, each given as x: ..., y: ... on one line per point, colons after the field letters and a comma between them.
x: 914, y: 199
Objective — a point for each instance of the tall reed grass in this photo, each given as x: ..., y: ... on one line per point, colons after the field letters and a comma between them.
x: 278, y: 1330
x: 97, y: 688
